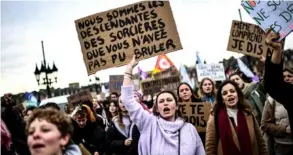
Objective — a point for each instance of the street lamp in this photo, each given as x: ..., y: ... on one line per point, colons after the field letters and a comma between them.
x: 96, y: 83
x: 98, y: 89
x: 46, y: 74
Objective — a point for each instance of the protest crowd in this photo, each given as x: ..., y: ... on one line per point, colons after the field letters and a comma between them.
x: 233, y: 114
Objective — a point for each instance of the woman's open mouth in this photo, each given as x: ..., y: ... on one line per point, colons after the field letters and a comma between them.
x: 231, y: 100
x: 38, y: 146
x: 166, y: 110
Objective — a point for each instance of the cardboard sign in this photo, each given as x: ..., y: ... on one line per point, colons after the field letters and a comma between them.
x: 277, y: 15
x: 215, y: 72
x: 111, y: 38
x: 79, y: 97
x: 115, y: 83
x: 150, y: 87
x: 172, y: 71
x: 195, y: 113
x: 248, y: 39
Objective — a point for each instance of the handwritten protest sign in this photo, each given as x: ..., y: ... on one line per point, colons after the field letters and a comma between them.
x: 115, y: 83
x: 248, y: 39
x: 277, y: 15
x: 111, y: 38
x: 79, y: 97
x: 195, y: 113
x: 150, y: 87
x: 213, y: 71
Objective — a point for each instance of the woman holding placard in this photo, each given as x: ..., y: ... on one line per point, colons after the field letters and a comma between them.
x: 186, y: 95
x: 232, y: 128
x: 163, y: 133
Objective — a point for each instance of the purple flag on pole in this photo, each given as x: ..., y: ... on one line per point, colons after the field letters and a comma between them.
x: 142, y: 74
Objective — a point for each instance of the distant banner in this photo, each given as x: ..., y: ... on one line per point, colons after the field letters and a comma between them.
x: 271, y: 14
x: 150, y: 87
x: 215, y: 72
x: 248, y: 39
x: 115, y: 83
x: 195, y: 113
x: 77, y: 98
x: 111, y: 38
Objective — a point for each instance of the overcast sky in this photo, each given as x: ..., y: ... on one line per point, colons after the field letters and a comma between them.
x: 203, y: 25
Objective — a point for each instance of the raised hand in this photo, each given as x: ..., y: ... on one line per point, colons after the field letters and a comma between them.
x: 272, y: 40
x: 132, y: 63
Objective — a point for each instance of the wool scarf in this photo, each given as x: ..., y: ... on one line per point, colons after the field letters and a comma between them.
x: 225, y: 131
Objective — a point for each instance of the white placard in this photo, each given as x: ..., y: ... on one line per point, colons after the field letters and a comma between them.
x: 275, y: 14
x: 215, y: 72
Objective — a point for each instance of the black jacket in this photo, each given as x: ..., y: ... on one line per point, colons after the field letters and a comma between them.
x: 16, y: 126
x: 92, y: 136
x: 278, y: 89
x: 115, y: 140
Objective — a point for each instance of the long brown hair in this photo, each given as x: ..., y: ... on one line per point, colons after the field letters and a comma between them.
x: 200, y: 91
x: 155, y: 109
x: 118, y: 118
x: 109, y: 115
x: 194, y: 98
x: 242, y: 104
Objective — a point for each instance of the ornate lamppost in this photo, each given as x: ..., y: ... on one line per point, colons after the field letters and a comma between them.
x: 46, y: 74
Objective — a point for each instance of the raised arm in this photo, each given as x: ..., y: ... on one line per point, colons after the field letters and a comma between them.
x: 138, y: 115
x: 273, y: 79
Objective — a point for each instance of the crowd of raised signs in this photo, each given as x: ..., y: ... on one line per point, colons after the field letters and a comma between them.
x: 245, y: 118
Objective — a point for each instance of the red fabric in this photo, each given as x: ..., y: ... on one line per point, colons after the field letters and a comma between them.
x: 228, y: 145
x: 5, y: 136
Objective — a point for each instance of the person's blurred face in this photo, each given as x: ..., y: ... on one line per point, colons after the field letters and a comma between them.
x: 44, y: 138
x: 28, y: 114
x: 81, y: 121
x: 288, y: 77
x: 185, y: 92
x: 114, y: 97
x: 167, y: 106
x: 230, y: 96
x: 121, y: 105
x: 113, y: 108
x: 207, y: 86
x: 95, y: 103
x: 238, y: 80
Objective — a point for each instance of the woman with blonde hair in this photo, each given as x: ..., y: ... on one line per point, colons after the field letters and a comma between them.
x: 207, y: 90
